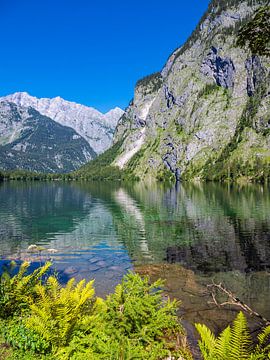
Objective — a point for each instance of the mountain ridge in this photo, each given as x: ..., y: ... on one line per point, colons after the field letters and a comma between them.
x: 95, y: 127
x: 34, y: 142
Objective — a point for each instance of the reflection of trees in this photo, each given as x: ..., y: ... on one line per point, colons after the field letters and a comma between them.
x: 34, y: 212
x: 207, y: 227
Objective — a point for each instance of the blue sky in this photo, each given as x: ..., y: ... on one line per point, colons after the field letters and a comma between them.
x: 91, y: 52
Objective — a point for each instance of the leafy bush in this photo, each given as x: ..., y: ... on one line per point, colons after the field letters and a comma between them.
x: 20, y: 337
x: 136, y: 323
x: 18, y: 292
x: 48, y: 321
x: 59, y: 311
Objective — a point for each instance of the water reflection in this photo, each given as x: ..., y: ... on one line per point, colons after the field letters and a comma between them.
x: 103, y: 228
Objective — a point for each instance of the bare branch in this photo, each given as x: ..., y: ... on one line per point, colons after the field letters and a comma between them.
x: 232, y: 300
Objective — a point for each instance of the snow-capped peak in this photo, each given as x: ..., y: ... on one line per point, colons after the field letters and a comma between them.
x: 95, y: 127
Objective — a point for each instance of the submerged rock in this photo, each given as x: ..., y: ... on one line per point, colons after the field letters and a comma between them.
x: 196, y: 300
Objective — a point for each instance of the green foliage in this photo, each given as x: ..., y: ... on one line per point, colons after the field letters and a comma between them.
x: 59, y: 311
x: 5, y: 350
x: 17, y: 292
x: 136, y: 309
x: 24, y: 175
x: 208, y: 89
x: 20, y: 337
x: 134, y: 162
x: 234, y: 343
x: 165, y: 175
x: 151, y: 83
x: 256, y: 33
x: 135, y: 322
x: 101, y: 168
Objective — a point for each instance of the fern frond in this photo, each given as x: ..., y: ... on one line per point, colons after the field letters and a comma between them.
x: 240, y: 348
x: 23, y: 268
x: 264, y: 336
x: 223, y: 344
x: 207, y: 343
x: 53, y: 286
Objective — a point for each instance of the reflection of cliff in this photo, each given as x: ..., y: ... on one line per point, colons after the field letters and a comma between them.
x: 206, y: 227
x: 96, y: 227
x: 133, y: 211
x: 233, y: 232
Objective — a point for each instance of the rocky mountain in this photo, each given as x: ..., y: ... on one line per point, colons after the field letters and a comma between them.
x: 206, y: 115
x: 34, y: 142
x: 96, y: 128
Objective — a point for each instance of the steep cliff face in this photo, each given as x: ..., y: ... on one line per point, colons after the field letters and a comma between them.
x: 207, y: 114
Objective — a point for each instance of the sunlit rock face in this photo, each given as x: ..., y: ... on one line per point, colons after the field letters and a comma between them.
x: 206, y: 114
x: 34, y: 142
x: 96, y: 128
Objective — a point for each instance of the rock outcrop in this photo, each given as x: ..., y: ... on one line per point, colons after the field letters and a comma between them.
x: 220, y: 69
x: 206, y: 115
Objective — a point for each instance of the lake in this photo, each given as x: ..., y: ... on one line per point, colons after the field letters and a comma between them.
x: 102, y: 230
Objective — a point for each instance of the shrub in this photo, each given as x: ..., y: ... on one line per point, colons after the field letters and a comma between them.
x: 20, y: 337
x: 59, y: 311
x: 136, y: 322
x: 17, y: 292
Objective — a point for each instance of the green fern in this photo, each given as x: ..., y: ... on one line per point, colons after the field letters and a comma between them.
x: 234, y: 343
x: 208, y: 341
x: 240, y: 341
x: 135, y: 322
x: 264, y: 342
x: 59, y: 311
x: 223, y: 344
x: 17, y: 292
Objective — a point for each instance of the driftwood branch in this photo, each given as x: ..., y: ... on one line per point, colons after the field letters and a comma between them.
x: 232, y: 300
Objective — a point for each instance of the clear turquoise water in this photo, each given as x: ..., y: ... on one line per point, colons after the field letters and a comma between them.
x: 102, y: 230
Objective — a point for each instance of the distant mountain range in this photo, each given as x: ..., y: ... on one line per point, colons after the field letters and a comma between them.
x: 51, y: 135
